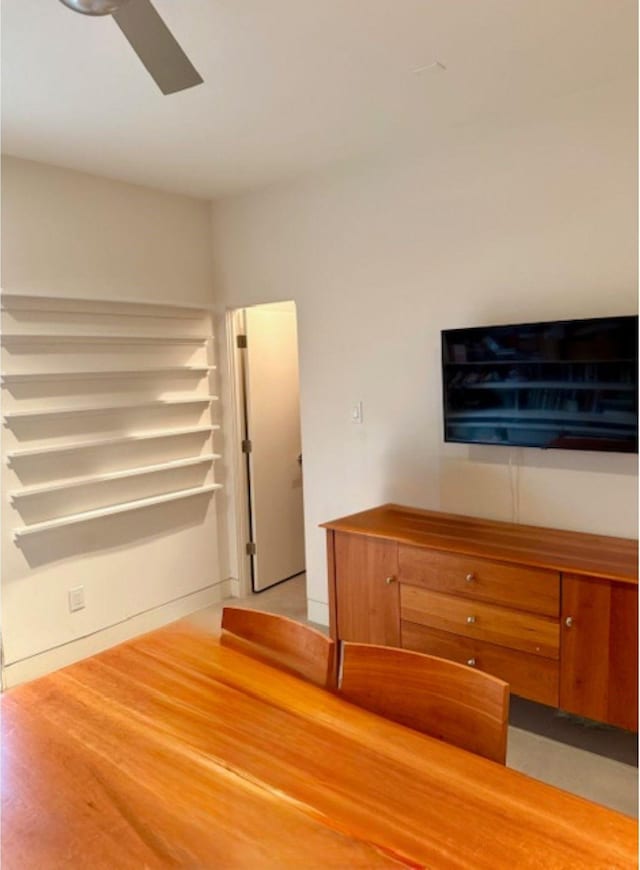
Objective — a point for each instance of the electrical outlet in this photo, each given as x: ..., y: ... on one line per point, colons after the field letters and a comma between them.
x: 76, y: 598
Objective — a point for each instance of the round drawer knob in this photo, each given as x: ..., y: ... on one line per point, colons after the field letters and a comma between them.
x: 389, y: 580
x: 471, y: 663
x: 569, y: 621
x: 471, y: 620
x: 470, y: 578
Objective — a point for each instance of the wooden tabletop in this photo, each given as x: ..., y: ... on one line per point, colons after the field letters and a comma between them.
x: 174, y: 751
x: 576, y: 552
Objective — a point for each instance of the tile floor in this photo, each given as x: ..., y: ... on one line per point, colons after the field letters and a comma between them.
x: 597, y: 762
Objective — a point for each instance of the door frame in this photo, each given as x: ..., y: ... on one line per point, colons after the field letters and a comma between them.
x: 239, y: 513
x: 238, y: 516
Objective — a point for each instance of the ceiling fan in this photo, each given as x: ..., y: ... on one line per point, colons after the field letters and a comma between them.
x: 149, y: 37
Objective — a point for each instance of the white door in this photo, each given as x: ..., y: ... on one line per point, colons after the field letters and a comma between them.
x: 275, y: 457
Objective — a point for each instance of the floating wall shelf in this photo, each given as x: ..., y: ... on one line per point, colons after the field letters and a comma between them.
x: 123, y: 507
x: 100, y: 307
x: 101, y: 409
x: 106, y: 373
x: 72, y: 446
x: 87, y: 479
x: 101, y: 338
x: 66, y: 344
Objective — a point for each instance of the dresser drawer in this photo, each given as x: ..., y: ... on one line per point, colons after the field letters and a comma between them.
x: 500, y: 625
x: 529, y: 676
x: 533, y: 589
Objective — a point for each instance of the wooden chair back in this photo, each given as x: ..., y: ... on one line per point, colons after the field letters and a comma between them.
x: 281, y: 641
x: 443, y: 699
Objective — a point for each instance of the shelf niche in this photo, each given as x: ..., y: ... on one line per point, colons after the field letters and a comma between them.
x: 114, y: 342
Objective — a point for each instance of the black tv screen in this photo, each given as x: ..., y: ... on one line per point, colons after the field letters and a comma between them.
x: 569, y: 384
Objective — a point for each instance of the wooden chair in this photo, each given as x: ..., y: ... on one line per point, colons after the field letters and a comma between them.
x: 281, y: 641
x: 443, y: 699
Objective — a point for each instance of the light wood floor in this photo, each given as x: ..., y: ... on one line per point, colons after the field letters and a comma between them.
x: 596, y: 762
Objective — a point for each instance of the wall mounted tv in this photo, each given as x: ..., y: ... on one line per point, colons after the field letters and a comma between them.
x: 570, y: 384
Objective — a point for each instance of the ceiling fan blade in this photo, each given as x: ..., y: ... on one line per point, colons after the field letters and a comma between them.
x: 156, y: 47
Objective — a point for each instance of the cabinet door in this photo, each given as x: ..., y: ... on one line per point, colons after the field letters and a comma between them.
x: 367, y: 602
x: 599, y: 650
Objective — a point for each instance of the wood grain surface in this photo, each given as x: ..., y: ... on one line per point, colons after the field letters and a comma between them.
x: 600, y: 650
x: 530, y: 676
x: 579, y: 553
x: 173, y: 751
x: 443, y: 699
x: 532, y: 589
x: 281, y: 641
x: 367, y: 606
x: 514, y: 629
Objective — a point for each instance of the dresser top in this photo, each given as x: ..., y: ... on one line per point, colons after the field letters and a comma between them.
x: 571, y: 552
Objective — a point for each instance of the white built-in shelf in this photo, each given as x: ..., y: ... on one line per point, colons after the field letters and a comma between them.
x: 100, y: 307
x: 107, y: 408
x: 85, y: 516
x: 150, y: 335
x: 31, y: 338
x: 72, y: 446
x: 73, y: 482
x: 106, y: 373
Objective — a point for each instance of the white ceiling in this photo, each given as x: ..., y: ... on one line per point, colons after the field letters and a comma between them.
x: 294, y: 85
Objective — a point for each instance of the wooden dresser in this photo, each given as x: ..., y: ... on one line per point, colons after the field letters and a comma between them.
x: 553, y: 613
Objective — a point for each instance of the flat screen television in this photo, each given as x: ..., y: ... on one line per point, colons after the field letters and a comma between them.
x: 570, y: 384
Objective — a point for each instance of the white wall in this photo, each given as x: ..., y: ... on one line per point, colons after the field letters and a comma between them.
x: 74, y: 235
x: 71, y: 234
x: 513, y: 220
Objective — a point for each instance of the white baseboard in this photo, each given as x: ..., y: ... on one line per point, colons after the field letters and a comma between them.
x: 318, y: 612
x: 235, y: 587
x: 53, y: 659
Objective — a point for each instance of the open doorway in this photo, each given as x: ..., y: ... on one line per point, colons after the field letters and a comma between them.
x: 270, y: 496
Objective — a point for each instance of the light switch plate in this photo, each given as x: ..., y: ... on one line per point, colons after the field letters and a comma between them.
x: 356, y: 412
